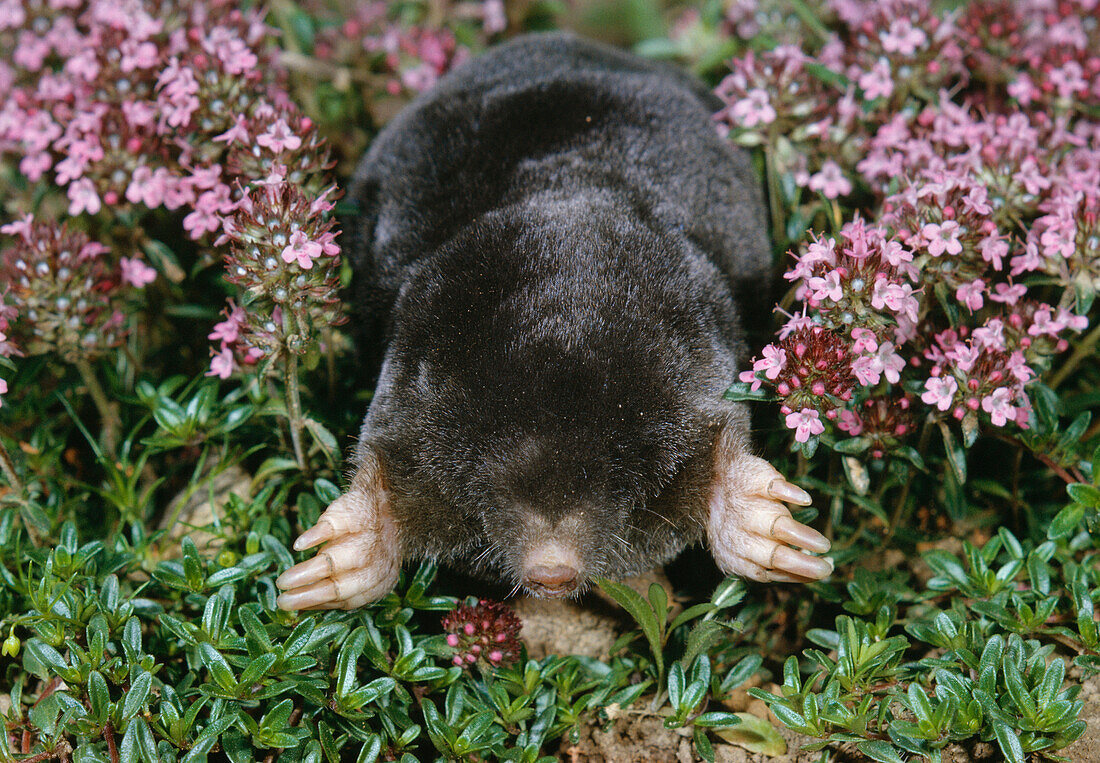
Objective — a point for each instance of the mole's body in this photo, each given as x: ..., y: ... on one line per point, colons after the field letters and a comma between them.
x: 549, y: 246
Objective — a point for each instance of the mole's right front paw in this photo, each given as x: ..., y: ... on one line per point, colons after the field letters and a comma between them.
x: 752, y: 532
x: 357, y: 565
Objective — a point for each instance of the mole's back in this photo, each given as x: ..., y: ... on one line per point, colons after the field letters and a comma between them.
x: 556, y: 115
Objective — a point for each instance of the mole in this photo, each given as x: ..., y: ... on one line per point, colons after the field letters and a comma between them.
x: 549, y: 251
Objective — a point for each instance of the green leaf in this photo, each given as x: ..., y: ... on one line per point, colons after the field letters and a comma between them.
x: 718, y: 719
x: 135, y: 697
x: 675, y: 685
x: 702, y: 745
x: 741, y: 392
x: 658, y: 598
x: 1088, y: 495
x: 702, y: 637
x: 1052, y: 682
x: 884, y: 752
x: 918, y: 703
x: 1009, y: 742
x: 956, y: 456
x: 1066, y: 522
x: 217, y: 666
x: 1017, y: 690
x: 442, y: 736
x: 790, y: 718
x: 742, y: 671
x: 46, y: 656
x: 755, y: 735
x: 324, y: 438
x: 641, y: 611
x: 98, y: 696
x: 992, y: 653
x: 690, y: 614
x: 255, y: 671
x: 137, y: 743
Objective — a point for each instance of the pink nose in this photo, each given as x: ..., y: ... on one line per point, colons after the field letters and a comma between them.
x: 555, y: 579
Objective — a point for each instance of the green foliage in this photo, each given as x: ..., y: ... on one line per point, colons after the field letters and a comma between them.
x: 125, y: 642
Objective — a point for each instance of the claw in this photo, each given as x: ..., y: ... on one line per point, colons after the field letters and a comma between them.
x: 786, y: 559
x: 317, y: 568
x: 797, y: 534
x: 307, y: 597
x: 319, y: 533
x: 781, y: 490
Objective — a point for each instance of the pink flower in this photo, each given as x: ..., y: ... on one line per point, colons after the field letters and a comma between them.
x: 137, y: 55
x: 1018, y: 367
x: 830, y: 181
x: 754, y: 109
x: 209, y: 208
x: 3, y: 390
x: 877, y: 83
x: 221, y: 365
x: 942, y: 237
x: 136, y: 273
x: 940, y: 391
x: 1045, y: 323
x: 301, y: 249
x: 805, y: 423
x: 892, y: 363
x: 894, y: 296
x: 228, y: 330
x: 827, y: 288
x: 147, y: 187
x: 21, y: 227
x: 867, y: 370
x: 865, y: 341
x: 178, y: 96
x: 83, y: 197
x: 903, y: 37
x: 971, y: 294
x: 1023, y: 89
x: 999, y: 406
x: 850, y: 422
x: 238, y: 132
x: 279, y: 137
x: 977, y: 201
x: 993, y: 249
x: 1008, y: 294
x: 233, y: 52
x: 34, y: 166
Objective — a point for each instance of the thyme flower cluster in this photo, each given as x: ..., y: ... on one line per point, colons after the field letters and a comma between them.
x: 116, y: 110
x: 486, y: 633
x: 979, y: 257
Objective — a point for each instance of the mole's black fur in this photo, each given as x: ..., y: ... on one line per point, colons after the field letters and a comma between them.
x: 549, y: 245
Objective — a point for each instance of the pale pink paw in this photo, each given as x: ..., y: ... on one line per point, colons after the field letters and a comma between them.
x: 752, y: 533
x: 357, y: 565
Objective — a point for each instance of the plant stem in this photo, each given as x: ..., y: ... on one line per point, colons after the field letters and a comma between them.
x: 779, y: 225
x: 1080, y: 352
x: 108, y: 416
x: 294, y: 409
x: 8, y: 467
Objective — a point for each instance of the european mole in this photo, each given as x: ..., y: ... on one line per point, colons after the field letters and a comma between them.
x: 550, y: 243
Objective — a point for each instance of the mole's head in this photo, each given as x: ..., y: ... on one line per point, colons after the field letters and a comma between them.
x: 543, y: 401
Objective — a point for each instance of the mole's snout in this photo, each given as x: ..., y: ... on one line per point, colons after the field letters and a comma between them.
x: 552, y: 581
x: 552, y: 569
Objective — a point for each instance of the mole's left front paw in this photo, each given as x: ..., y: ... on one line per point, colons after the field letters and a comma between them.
x: 752, y: 533
x: 359, y: 562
